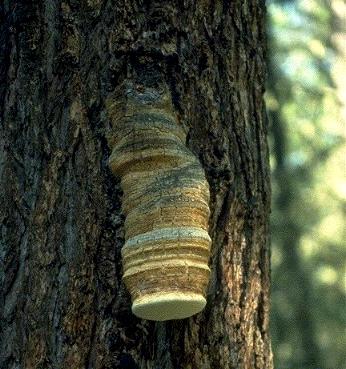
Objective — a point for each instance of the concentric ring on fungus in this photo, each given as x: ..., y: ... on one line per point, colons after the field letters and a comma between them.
x: 166, y: 196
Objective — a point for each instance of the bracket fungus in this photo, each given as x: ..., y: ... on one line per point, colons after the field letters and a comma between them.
x: 165, y: 201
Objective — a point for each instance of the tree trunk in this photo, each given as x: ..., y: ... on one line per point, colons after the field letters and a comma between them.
x: 63, y: 303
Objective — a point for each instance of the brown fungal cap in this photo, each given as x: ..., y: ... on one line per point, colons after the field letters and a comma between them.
x: 166, y: 195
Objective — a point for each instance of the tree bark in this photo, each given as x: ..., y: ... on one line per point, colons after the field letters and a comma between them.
x: 62, y: 303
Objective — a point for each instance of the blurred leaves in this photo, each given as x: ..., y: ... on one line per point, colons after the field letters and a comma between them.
x: 307, y: 46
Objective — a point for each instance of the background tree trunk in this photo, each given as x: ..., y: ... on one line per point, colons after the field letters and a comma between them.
x: 62, y: 301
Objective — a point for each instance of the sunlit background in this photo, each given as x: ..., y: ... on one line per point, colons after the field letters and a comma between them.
x: 306, y: 97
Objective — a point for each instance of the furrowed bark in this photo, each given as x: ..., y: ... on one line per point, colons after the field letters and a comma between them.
x: 62, y: 302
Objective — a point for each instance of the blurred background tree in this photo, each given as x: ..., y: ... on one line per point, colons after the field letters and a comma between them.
x: 306, y: 108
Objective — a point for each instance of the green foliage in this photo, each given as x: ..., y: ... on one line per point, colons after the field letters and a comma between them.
x: 308, y: 164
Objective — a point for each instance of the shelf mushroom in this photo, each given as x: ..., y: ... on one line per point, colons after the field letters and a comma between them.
x: 165, y: 201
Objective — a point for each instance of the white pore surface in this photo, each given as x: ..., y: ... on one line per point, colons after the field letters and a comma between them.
x: 168, y: 306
